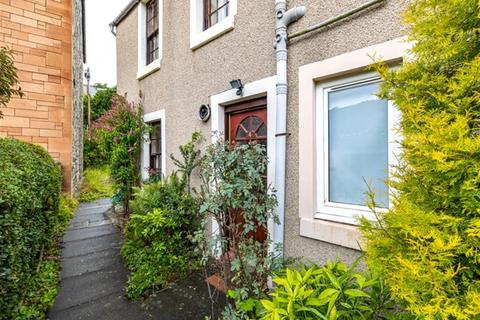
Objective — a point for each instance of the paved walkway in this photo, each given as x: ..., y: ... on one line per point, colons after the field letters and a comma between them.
x: 93, y: 276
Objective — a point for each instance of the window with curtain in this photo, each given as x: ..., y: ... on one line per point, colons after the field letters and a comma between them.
x: 214, y: 12
x: 156, y: 148
x: 152, y: 31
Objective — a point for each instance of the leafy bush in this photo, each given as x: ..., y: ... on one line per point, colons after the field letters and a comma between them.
x: 100, y: 102
x: 158, y: 245
x: 94, y: 153
x: 96, y: 184
x: 29, y: 216
x: 235, y: 195
x: 43, y: 286
x: 331, y: 292
x: 8, y: 77
x: 121, y: 131
x: 427, y: 245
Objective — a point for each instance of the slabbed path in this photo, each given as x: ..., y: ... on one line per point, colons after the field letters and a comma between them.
x: 93, y: 276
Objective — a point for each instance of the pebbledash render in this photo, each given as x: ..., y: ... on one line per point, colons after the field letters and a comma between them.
x: 48, y: 43
x: 181, y: 56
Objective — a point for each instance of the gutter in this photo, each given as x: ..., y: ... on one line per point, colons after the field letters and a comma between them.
x: 123, y: 14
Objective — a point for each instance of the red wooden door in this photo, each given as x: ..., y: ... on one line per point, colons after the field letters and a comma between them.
x: 247, y: 122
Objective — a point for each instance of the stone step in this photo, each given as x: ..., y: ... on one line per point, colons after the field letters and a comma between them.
x: 92, y: 245
x: 76, y: 266
x: 75, y: 291
x: 90, y: 232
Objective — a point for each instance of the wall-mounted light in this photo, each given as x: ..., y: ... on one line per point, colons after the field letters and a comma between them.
x: 237, y: 84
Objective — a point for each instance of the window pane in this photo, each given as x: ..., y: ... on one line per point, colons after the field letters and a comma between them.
x: 357, y: 145
x: 214, y: 12
x: 223, y: 12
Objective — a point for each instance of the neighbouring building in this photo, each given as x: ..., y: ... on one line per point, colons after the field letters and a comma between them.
x: 183, y: 54
x: 48, y: 40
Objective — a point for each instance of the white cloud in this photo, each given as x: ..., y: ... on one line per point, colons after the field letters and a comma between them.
x: 101, y: 54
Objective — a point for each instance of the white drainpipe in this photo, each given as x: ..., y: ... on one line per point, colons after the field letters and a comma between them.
x: 284, y: 18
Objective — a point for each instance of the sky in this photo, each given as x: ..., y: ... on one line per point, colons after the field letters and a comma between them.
x: 101, y: 54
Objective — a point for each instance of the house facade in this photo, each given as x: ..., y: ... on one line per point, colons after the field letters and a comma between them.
x: 335, y: 137
x: 48, y: 43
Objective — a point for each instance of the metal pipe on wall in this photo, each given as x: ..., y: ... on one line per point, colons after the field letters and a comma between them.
x: 331, y: 21
x: 283, y: 19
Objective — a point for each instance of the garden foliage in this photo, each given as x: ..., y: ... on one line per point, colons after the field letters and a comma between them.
x: 331, y: 292
x: 120, y: 133
x: 427, y: 245
x: 237, y: 197
x: 8, y: 77
x: 96, y: 184
x: 29, y: 220
x: 94, y: 152
x: 43, y: 287
x: 159, y: 246
x: 100, y: 102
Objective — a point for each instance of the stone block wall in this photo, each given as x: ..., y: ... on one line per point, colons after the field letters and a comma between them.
x: 40, y: 33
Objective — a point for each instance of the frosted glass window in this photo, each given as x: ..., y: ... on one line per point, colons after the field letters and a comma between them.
x: 357, y: 145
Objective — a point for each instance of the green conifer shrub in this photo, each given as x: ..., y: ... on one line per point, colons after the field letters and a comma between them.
x: 427, y: 246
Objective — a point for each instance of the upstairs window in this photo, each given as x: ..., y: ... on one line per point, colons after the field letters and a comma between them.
x: 152, y: 31
x: 150, y: 20
x: 214, y: 12
x: 209, y: 19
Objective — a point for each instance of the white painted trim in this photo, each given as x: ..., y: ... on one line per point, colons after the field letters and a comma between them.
x: 346, y: 213
x: 148, y: 118
x: 198, y: 36
x: 148, y: 70
x: 344, y: 65
x: 144, y: 69
x: 258, y: 88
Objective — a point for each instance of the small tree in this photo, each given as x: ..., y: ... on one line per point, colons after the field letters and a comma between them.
x: 121, y: 132
x: 8, y: 78
x: 428, y: 244
x: 235, y: 195
x: 101, y: 101
x: 191, y: 159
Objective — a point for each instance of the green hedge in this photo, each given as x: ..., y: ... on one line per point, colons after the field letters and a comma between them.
x: 30, y: 184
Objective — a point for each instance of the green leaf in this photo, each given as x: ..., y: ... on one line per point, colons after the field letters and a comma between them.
x: 355, y: 293
x: 267, y: 304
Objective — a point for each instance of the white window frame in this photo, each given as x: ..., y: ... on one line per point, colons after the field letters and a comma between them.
x: 337, y: 230
x: 151, y: 118
x: 200, y: 37
x: 340, y: 212
x: 143, y: 69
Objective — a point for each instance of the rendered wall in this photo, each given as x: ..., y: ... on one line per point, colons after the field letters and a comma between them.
x: 188, y: 78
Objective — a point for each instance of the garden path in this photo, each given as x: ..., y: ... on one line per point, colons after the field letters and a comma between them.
x: 93, y: 276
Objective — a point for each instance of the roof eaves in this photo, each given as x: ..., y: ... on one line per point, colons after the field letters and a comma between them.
x: 131, y: 5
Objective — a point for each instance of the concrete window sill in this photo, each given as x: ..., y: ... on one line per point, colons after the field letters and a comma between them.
x: 344, y: 235
x: 148, y: 70
x: 197, y: 40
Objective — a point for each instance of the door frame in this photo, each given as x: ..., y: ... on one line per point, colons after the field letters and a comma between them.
x: 266, y: 87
